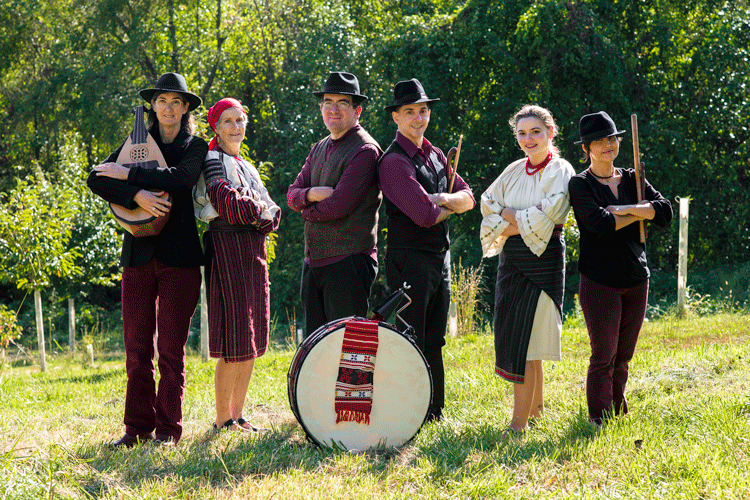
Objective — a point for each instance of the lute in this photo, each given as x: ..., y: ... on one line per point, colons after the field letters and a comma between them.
x: 140, y: 150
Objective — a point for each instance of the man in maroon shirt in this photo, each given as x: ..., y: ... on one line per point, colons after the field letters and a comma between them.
x: 337, y: 194
x: 414, y: 178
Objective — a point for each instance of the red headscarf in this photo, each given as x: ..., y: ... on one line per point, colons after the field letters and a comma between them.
x: 215, y: 113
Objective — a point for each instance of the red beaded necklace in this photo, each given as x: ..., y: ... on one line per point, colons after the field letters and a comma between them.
x: 533, y: 169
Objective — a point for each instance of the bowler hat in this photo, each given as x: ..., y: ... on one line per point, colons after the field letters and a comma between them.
x: 172, y: 82
x: 342, y: 83
x: 408, y: 92
x: 596, y: 126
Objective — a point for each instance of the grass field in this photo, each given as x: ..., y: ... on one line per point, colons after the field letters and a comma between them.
x: 687, y: 436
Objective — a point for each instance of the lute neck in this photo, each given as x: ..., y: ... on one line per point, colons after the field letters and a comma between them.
x: 139, y: 134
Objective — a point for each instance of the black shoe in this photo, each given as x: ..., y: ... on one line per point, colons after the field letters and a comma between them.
x: 241, y: 422
x: 164, y: 440
x: 435, y: 416
x: 229, y: 425
x: 128, y: 441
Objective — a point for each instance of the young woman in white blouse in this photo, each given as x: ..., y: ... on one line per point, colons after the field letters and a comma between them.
x: 524, y: 212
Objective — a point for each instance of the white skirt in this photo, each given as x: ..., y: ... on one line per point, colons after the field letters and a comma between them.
x: 545, y: 334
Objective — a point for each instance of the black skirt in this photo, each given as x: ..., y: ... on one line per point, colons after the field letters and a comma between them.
x: 521, y: 277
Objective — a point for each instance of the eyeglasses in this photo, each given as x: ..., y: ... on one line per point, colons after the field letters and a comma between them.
x: 162, y: 103
x: 341, y: 105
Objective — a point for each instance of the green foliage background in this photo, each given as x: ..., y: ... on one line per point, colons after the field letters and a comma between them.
x: 71, y: 71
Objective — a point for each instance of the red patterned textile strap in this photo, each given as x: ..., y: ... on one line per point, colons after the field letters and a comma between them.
x: 353, y: 401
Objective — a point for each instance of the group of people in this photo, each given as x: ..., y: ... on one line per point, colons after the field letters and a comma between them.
x: 524, y: 211
x: 161, y: 276
x: 338, y: 192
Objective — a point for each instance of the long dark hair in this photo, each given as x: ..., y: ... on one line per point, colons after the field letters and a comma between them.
x: 187, y: 124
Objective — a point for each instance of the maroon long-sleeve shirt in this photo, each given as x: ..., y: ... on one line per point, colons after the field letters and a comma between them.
x: 356, y: 180
x: 398, y: 182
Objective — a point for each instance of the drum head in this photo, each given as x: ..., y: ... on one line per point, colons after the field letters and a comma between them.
x: 402, y: 392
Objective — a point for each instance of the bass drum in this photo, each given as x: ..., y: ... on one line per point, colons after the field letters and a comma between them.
x: 401, y: 398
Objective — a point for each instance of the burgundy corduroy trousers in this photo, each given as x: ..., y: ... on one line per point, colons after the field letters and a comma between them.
x: 175, y: 292
x: 614, y: 317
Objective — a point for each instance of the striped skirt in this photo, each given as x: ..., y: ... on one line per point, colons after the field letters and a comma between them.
x: 521, y: 278
x: 239, y: 310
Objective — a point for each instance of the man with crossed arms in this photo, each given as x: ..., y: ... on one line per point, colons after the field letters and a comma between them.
x: 415, y: 181
x: 337, y: 194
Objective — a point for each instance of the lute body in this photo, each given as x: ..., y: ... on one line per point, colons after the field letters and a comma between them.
x: 140, y: 150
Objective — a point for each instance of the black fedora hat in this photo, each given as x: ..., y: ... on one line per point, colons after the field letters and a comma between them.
x: 342, y: 83
x: 172, y: 82
x: 596, y: 126
x: 408, y: 92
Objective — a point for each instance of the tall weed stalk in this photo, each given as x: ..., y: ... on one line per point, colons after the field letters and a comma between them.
x: 466, y: 284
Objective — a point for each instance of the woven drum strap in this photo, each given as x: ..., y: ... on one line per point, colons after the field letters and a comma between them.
x: 353, y: 401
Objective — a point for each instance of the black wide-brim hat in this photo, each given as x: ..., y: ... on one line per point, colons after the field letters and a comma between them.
x: 408, y: 92
x: 172, y: 82
x: 342, y: 83
x: 596, y: 126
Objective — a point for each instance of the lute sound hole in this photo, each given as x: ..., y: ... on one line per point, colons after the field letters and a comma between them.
x: 139, y: 153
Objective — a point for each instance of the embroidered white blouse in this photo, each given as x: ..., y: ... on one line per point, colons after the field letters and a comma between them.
x: 541, y: 201
x: 243, y: 177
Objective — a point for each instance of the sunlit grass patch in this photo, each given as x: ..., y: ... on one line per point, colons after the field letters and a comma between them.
x: 687, y: 434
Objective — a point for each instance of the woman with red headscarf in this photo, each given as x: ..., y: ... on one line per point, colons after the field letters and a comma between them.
x: 230, y: 196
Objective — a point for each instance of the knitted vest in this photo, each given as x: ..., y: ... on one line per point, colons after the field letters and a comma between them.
x: 402, y: 232
x: 354, y: 233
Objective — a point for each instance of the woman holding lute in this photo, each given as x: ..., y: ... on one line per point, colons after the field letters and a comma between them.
x: 161, y: 273
x: 230, y: 196
x: 614, y: 273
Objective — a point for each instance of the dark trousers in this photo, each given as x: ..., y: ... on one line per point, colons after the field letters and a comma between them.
x: 614, y: 317
x: 429, y: 276
x: 336, y: 291
x: 174, y: 293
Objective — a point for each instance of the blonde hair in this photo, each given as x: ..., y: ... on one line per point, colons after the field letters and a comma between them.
x: 544, y: 115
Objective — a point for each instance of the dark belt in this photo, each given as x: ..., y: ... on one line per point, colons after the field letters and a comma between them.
x: 222, y: 225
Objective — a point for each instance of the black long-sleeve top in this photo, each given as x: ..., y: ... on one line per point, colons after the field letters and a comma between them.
x: 612, y: 258
x: 177, y: 245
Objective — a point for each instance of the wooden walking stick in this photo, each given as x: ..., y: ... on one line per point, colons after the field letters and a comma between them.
x: 454, y: 166
x: 640, y: 178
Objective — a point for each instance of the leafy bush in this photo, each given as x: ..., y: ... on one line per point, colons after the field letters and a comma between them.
x: 9, y: 327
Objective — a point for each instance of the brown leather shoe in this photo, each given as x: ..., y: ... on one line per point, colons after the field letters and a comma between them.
x: 128, y: 441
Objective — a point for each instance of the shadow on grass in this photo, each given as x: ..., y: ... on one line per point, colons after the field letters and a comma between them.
x: 90, y: 377
x: 451, y: 450
x: 220, y: 460
x: 224, y: 460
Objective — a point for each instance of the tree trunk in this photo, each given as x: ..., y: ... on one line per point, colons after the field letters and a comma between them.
x: 219, y: 42
x: 72, y: 325
x: 40, y: 329
x: 173, y: 37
